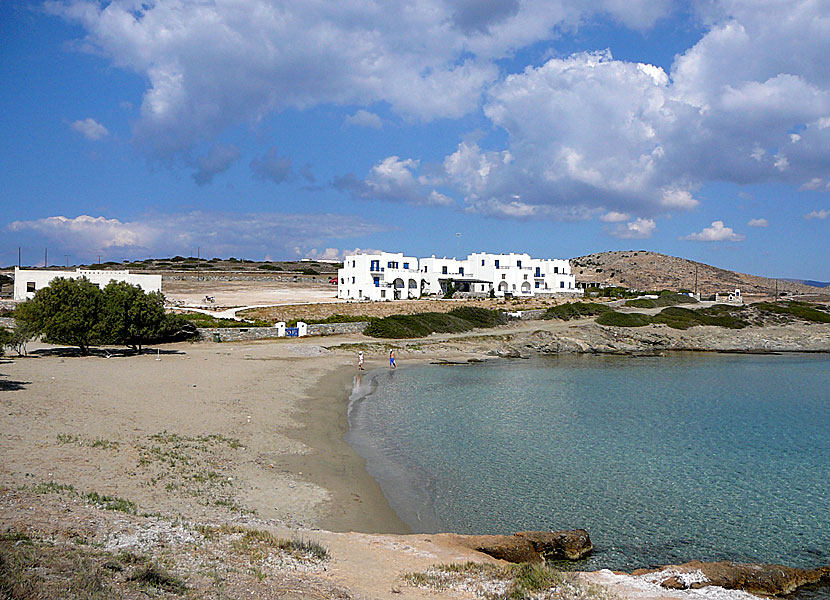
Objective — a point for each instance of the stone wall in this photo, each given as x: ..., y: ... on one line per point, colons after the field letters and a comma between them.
x: 528, y: 315
x: 7, y: 322
x: 245, y: 334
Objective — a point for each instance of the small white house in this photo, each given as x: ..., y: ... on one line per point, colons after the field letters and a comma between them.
x: 29, y: 281
x: 730, y: 298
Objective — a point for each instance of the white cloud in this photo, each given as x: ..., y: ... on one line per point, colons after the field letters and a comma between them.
x: 818, y: 214
x: 614, y: 217
x: 639, y: 229
x: 216, y: 233
x: 717, y: 232
x: 815, y: 183
x: 758, y: 223
x: 364, y: 118
x: 90, y: 129
x: 394, y: 180
x: 211, y: 65
x: 591, y: 133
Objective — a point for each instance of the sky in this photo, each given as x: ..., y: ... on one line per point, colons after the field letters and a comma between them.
x: 288, y: 129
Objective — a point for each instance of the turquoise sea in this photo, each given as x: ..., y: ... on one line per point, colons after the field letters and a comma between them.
x: 662, y: 459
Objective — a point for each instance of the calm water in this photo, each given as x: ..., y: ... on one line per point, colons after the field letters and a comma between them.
x: 661, y: 459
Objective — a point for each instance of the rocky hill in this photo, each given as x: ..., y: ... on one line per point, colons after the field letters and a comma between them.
x: 642, y: 270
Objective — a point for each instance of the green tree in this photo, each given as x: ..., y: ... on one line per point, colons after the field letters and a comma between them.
x: 67, y: 311
x: 131, y: 316
x: 19, y: 336
x: 5, y: 339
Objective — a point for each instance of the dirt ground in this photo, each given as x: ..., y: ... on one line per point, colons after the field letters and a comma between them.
x: 251, y: 292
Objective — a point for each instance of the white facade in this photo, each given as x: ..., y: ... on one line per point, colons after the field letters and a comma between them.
x: 370, y: 277
x: 383, y: 276
x: 27, y: 282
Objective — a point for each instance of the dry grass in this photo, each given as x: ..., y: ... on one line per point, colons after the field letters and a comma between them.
x: 386, y: 309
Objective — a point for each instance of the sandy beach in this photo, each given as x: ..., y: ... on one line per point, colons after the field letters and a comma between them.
x: 234, y: 435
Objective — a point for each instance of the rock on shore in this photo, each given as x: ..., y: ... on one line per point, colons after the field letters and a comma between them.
x: 771, y: 580
x: 530, y: 546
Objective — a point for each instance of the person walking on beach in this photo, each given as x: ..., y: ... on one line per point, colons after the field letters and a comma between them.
x: 392, y: 364
x: 360, y: 360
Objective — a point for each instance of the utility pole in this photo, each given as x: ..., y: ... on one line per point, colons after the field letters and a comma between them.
x: 66, y: 256
x: 776, y: 289
x: 99, y: 259
x: 458, y: 246
x: 19, y: 264
x: 696, y: 295
x: 45, y: 257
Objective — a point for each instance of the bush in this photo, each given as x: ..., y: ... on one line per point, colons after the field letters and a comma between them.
x: 423, y: 324
x: 666, y: 298
x: 269, y: 267
x: 209, y: 321
x: 799, y: 310
x: 618, y: 319
x: 575, y: 310
x: 309, y: 272
x: 684, y: 318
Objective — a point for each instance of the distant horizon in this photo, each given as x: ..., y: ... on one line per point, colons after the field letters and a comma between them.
x: 696, y: 129
x: 806, y: 281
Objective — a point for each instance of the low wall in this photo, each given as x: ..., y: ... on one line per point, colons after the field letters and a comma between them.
x: 7, y: 322
x: 528, y: 315
x: 246, y: 334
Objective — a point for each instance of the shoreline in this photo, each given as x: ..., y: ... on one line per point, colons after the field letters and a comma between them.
x: 358, y: 503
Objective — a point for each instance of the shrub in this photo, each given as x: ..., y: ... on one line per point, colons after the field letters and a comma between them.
x: 309, y: 272
x: 154, y: 576
x: 618, y: 319
x: 666, y: 298
x: 269, y: 267
x: 799, y: 310
x: 575, y: 310
x: 423, y: 324
x: 203, y: 320
x: 684, y: 318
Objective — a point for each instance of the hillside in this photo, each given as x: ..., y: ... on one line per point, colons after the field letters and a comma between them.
x: 644, y: 270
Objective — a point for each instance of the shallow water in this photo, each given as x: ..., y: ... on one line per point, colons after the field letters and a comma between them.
x: 661, y: 459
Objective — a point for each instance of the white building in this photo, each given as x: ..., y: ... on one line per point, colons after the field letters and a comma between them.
x: 370, y: 277
x: 383, y: 276
x: 27, y: 282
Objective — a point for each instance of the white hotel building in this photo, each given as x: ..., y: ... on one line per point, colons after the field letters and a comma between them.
x: 27, y: 282
x: 393, y: 276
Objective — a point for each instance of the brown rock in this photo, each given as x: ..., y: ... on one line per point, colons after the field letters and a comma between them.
x: 764, y: 579
x: 557, y: 545
x: 531, y: 546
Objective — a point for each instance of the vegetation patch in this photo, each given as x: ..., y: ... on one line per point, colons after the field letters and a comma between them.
x: 209, y: 321
x: 112, y: 503
x: 257, y: 544
x: 457, y: 320
x: 53, y: 487
x: 507, y: 582
x: 666, y: 298
x: 74, y: 438
x: 153, y: 576
x: 575, y: 310
x: 618, y: 319
x: 191, y: 466
x: 805, y: 311
x: 719, y: 316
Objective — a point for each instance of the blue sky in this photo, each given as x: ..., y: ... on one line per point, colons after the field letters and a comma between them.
x: 265, y: 129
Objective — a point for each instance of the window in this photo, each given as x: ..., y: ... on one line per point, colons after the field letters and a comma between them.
x: 503, y: 276
x: 497, y: 264
x: 519, y: 264
x: 482, y: 262
x: 341, y: 280
x: 525, y: 277
x: 537, y: 284
x: 377, y: 281
x: 460, y: 270
x: 383, y: 293
x: 352, y: 279
x: 561, y: 284
x: 30, y: 286
x: 352, y: 264
x: 406, y: 265
x: 555, y: 269
x: 538, y: 272
x: 360, y: 293
x: 444, y: 270
x: 375, y: 265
